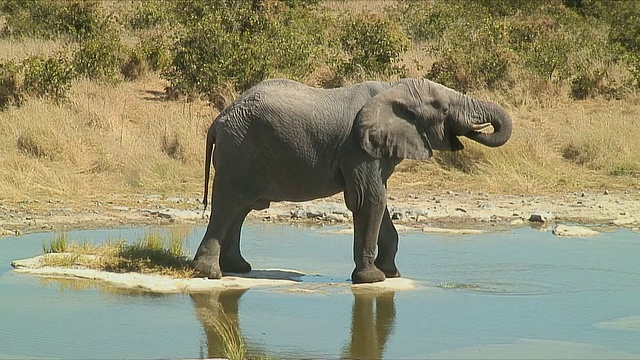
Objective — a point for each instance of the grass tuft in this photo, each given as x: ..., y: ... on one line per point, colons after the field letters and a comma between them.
x: 152, y: 253
x: 58, y: 244
x: 232, y: 343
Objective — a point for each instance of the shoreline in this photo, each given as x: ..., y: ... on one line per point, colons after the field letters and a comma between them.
x: 417, y: 210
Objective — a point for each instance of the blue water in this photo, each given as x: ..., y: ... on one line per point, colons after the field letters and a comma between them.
x: 515, y: 294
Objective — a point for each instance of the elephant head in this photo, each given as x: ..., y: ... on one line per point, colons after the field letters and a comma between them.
x: 416, y: 116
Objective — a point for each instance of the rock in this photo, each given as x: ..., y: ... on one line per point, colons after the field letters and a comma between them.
x: 397, y: 215
x: 120, y: 208
x: 315, y: 214
x: 298, y: 214
x: 541, y: 216
x: 487, y: 206
x: 606, y: 192
x: 573, y: 231
x: 283, y: 279
x: 4, y: 232
x: 175, y: 214
x: 175, y: 199
x: 624, y: 221
x: 335, y: 218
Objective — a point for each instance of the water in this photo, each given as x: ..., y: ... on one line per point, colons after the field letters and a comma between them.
x: 514, y: 294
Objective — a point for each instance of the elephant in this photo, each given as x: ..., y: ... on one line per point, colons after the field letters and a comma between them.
x: 282, y: 140
x: 373, y: 317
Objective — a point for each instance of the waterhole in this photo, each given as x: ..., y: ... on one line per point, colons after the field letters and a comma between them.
x: 514, y: 294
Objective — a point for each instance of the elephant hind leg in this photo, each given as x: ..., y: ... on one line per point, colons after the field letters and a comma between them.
x: 227, y: 206
x: 231, y: 259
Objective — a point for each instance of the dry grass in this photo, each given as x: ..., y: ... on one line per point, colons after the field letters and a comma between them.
x: 128, y: 138
x: 105, y: 139
x: 19, y: 49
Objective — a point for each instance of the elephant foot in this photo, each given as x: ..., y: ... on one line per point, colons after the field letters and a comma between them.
x: 390, y: 271
x: 236, y: 265
x: 367, y: 275
x: 206, y: 267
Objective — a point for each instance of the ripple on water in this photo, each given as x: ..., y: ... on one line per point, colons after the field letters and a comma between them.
x: 496, y: 288
x: 623, y: 323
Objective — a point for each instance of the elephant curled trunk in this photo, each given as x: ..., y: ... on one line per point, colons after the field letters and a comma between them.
x: 498, y: 117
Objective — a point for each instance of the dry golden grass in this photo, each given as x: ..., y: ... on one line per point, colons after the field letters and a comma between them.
x: 105, y: 139
x: 128, y: 138
x: 19, y: 49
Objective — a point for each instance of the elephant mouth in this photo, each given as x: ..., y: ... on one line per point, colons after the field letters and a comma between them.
x: 474, y: 130
x: 455, y: 143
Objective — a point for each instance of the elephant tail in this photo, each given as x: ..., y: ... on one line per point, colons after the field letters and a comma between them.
x: 211, y: 139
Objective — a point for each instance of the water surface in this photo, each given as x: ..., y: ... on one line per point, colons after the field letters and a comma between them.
x: 514, y: 294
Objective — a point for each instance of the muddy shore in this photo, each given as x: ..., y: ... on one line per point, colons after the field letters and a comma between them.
x: 427, y: 209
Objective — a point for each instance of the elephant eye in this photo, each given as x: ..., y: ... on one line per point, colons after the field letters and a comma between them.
x: 445, y: 109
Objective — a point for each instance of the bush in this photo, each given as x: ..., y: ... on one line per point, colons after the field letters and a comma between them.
x: 242, y: 45
x: 47, y: 78
x: 100, y: 57
x: 148, y: 14
x: 372, y: 44
x: 156, y: 50
x: 50, y: 18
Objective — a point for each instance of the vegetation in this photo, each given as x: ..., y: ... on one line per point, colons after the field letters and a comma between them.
x: 152, y: 253
x: 102, y: 97
x: 232, y: 343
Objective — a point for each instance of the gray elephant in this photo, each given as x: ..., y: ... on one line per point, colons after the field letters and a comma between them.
x: 285, y: 141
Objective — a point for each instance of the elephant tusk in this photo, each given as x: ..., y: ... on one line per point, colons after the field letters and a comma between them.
x: 478, y: 127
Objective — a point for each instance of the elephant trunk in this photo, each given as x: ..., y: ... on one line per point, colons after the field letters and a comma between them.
x: 497, y: 116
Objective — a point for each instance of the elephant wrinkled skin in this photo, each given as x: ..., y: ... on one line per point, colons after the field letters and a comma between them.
x: 285, y: 141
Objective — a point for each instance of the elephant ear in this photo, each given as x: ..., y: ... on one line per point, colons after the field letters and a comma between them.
x: 387, y: 126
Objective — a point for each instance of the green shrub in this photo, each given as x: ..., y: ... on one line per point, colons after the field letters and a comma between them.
x: 47, y: 77
x: 51, y: 18
x: 487, y: 68
x: 241, y: 45
x: 149, y: 14
x: 432, y: 21
x: 156, y: 50
x: 372, y: 44
x: 100, y: 57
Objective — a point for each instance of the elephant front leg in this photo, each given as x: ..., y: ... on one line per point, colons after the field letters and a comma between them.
x: 368, y: 208
x: 387, y: 247
x: 366, y: 230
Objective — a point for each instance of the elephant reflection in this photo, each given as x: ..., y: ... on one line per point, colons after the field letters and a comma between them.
x: 221, y: 307
x: 372, y: 320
